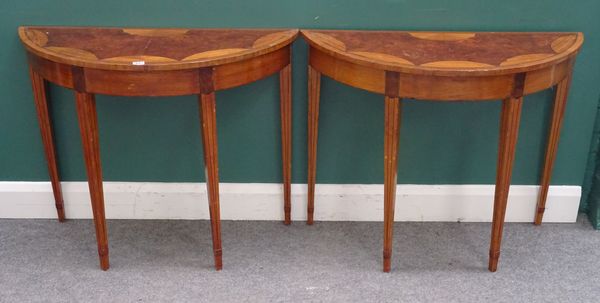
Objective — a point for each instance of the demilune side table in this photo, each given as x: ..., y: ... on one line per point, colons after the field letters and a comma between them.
x: 444, y: 66
x: 154, y: 62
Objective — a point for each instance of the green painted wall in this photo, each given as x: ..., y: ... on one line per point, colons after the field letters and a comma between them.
x: 590, y: 200
x: 591, y: 188
x: 157, y: 139
x: 593, y: 200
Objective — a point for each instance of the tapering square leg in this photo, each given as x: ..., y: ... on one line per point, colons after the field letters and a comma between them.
x: 509, y: 128
x: 208, y: 119
x: 88, y: 126
x: 393, y: 106
x: 560, y: 101
x: 285, y: 89
x: 314, y: 89
x: 390, y: 162
x: 41, y: 105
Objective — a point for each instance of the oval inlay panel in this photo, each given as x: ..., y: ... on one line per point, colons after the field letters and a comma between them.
x: 148, y: 32
x: 37, y: 37
x: 442, y: 36
x: 73, y: 52
x: 383, y: 57
x: 563, y: 43
x: 330, y: 41
x: 140, y: 59
x: 456, y: 64
x: 268, y: 39
x: 525, y: 59
x: 214, y: 53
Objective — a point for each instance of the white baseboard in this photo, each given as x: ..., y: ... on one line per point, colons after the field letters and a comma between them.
x: 264, y: 201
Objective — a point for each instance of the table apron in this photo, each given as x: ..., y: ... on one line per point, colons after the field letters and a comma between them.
x: 159, y: 83
x: 432, y: 87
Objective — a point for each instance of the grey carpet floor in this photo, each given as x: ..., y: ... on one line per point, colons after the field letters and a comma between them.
x: 171, y: 261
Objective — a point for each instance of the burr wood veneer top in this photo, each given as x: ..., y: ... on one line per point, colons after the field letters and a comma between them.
x: 447, y: 53
x: 151, y: 48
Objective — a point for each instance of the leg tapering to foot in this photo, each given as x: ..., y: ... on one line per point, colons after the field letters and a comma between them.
x: 208, y: 118
x: 560, y: 101
x: 392, y: 113
x: 391, y: 137
x: 88, y: 126
x: 285, y: 88
x: 41, y: 104
x: 314, y: 89
x: 509, y: 128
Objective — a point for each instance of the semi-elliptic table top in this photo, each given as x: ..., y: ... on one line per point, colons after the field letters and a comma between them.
x: 155, y: 61
x: 150, y: 49
x: 447, y: 53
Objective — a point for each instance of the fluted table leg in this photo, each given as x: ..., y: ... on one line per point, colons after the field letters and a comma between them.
x: 509, y: 128
x: 208, y: 118
x: 41, y: 105
x: 285, y: 88
x: 392, y: 128
x: 314, y: 88
x: 88, y: 126
x: 560, y: 101
x: 393, y: 106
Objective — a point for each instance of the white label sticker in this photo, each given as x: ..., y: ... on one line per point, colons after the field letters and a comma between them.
x: 138, y: 62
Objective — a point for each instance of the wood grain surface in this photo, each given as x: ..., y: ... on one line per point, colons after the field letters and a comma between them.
x: 447, y: 53
x: 151, y: 49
